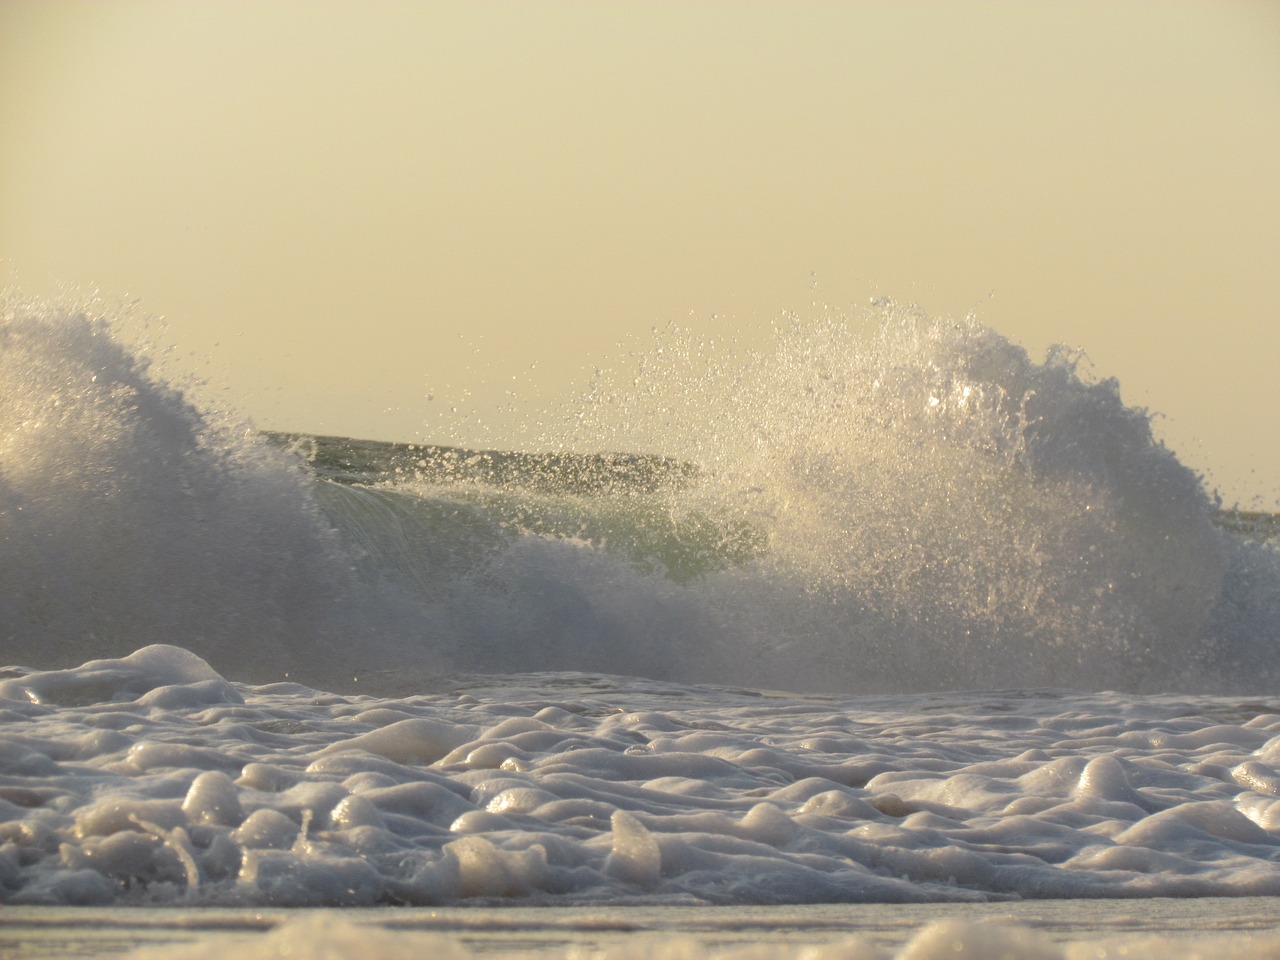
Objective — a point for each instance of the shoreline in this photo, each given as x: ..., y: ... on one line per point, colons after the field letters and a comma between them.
x: 62, y: 933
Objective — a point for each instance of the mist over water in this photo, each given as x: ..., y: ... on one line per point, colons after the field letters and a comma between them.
x: 130, y: 517
x: 925, y: 507
x: 944, y: 511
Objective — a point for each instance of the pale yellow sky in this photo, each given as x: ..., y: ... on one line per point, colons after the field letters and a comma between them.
x: 341, y: 208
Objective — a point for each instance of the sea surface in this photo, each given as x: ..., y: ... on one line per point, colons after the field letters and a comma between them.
x: 900, y: 632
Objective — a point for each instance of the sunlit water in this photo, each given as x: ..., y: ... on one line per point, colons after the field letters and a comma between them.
x: 906, y: 620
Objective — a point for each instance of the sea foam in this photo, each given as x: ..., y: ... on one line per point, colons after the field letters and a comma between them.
x: 152, y: 780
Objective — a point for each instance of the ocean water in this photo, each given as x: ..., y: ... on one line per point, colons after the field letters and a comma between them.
x: 895, y: 619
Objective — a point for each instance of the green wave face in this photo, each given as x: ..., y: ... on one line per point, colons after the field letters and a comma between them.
x: 427, y: 508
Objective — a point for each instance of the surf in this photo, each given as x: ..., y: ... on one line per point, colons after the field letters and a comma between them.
x: 919, y: 507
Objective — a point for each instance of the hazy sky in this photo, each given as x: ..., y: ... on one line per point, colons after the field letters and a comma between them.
x: 342, y: 208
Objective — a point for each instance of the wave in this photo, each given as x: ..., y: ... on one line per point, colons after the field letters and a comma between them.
x: 922, y: 508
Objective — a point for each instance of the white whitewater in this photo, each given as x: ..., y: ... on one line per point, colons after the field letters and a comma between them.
x: 929, y: 509
x: 871, y: 654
